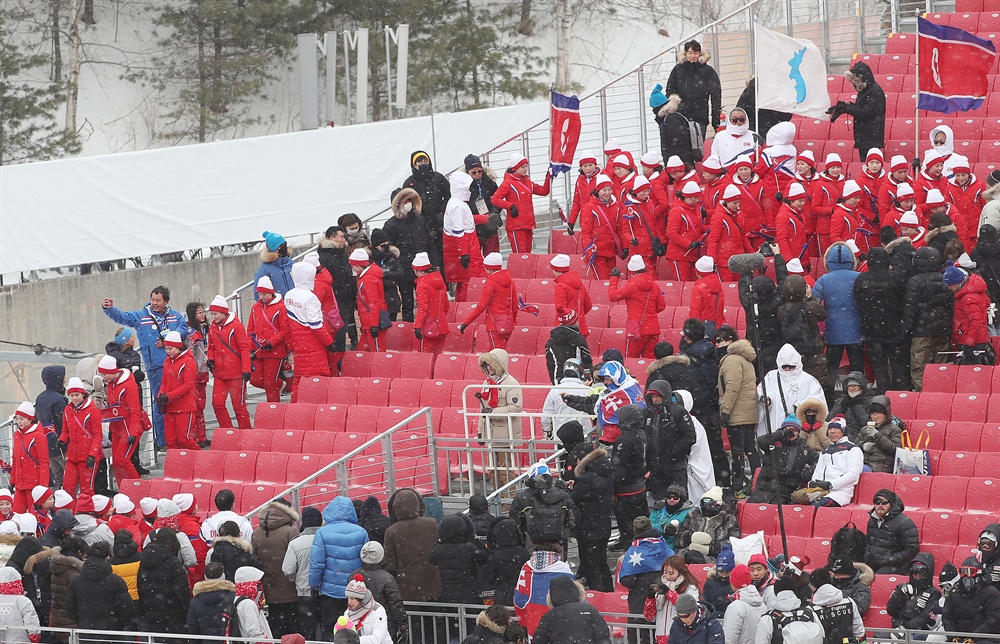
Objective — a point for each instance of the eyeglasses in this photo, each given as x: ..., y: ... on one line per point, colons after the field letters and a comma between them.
x: 684, y: 615
x: 475, y: 172
x: 788, y: 367
x: 737, y: 121
x: 881, y: 502
x: 673, y: 496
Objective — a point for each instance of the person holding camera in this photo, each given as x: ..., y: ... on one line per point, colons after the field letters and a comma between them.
x: 868, y: 110
x: 795, y: 463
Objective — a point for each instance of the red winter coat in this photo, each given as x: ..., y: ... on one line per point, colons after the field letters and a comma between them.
x: 870, y: 187
x: 969, y: 201
x: 659, y: 184
x: 571, y: 295
x: 432, y: 304
x: 124, y: 405
x: 777, y: 173
x: 727, y: 237
x: 308, y: 335
x: 843, y: 224
x: 971, y: 305
x: 229, y: 348
x: 81, y: 428
x: 643, y: 300
x: 712, y: 193
x: 581, y: 194
x: 600, y: 228
x: 29, y: 458
x: 826, y: 192
x: 924, y: 184
x: 683, y: 228
x: 323, y: 290
x: 791, y: 231
x: 121, y: 522
x: 635, y: 222
x: 371, y: 296
x: 707, y: 300
x: 752, y: 205
x: 517, y: 190
x: 498, y: 301
x: 808, y: 215
x: 268, y: 324
x: 178, y: 383
x: 887, y: 195
x: 191, y: 526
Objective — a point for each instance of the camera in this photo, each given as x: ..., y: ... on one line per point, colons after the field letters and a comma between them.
x: 837, y: 110
x: 766, y: 250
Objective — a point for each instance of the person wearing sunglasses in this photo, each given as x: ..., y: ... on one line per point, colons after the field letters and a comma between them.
x: 989, y: 553
x: 893, y: 540
x: 696, y: 622
x: 973, y: 606
x: 736, y: 140
x: 914, y: 605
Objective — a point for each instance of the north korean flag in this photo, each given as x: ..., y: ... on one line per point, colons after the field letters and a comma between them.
x: 565, y: 132
x: 953, y: 68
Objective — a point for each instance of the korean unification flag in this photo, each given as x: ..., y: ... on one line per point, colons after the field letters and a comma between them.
x: 791, y: 75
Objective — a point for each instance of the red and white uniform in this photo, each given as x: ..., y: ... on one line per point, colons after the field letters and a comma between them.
x: 178, y: 412
x: 459, y: 235
x: 582, y: 193
x: 81, y: 428
x: 844, y: 224
x: 499, y: 304
x: 643, y: 301
x: 870, y: 187
x: 308, y: 336
x: 571, y: 295
x: 725, y: 240
x: 517, y: 190
x: 599, y: 230
x: 751, y: 206
x: 708, y: 302
x: 29, y: 458
x: 968, y: 199
x: 229, y: 349
x: 432, y: 312
x: 124, y: 416
x: 634, y: 227
x: 683, y: 229
x: 268, y: 325
x: 371, y: 301
x: 887, y: 196
x: 826, y: 192
x: 791, y: 234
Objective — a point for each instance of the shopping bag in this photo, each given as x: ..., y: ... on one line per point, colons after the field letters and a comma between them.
x: 912, y: 458
x: 746, y: 547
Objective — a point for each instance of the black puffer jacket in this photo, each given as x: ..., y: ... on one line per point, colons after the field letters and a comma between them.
x: 479, y: 514
x: 880, y: 296
x: 854, y: 410
x: 674, y: 369
x: 411, y: 232
x: 434, y: 191
x: 675, y: 135
x: 669, y: 432
x: 868, y: 110
x: 930, y: 305
x: 386, y: 592
x: 802, y: 332
x: 593, y: 494
x: 232, y: 553
x: 903, y: 607
x: 769, y: 300
x: 628, y: 454
x: 372, y: 520
x: 98, y: 599
x: 542, y: 492
x: 486, y: 632
x: 507, y: 555
x: 164, y: 592
x: 892, y: 540
x: 976, y: 610
x: 49, y: 404
x: 334, y: 260
x: 572, y: 620
x: 566, y: 342
x: 987, y: 257
x: 705, y: 369
x: 211, y: 598
x: 127, y: 358
x: 697, y: 84
x: 796, y: 462
x: 27, y: 553
x: 458, y: 559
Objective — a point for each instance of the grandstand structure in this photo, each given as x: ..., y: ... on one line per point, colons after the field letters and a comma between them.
x: 408, y: 419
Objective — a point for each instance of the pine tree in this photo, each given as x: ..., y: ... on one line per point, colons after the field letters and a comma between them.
x: 29, y: 127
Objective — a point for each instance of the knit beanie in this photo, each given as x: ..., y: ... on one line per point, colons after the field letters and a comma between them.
x: 273, y: 240
x: 657, y: 97
x: 472, y: 161
x: 726, y: 560
x: 356, y: 588
x: 740, y: 577
x: 311, y: 517
x: 953, y: 274
x: 641, y: 524
x: 372, y: 553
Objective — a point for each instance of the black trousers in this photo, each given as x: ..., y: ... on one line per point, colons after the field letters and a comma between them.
x: 891, y: 364
x: 627, y: 509
x: 330, y: 608
x: 307, y: 617
x: 594, y: 564
x: 346, y: 306
x: 406, y: 299
x: 282, y: 618
x: 834, y: 353
x: 713, y: 430
x: 743, y: 443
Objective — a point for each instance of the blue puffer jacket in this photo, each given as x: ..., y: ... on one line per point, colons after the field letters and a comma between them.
x: 278, y: 269
x: 835, y: 290
x: 150, y: 328
x: 336, y: 549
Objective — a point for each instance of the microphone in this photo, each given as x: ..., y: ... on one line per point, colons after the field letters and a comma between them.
x: 746, y: 263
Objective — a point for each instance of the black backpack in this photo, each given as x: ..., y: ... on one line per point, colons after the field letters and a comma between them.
x: 848, y: 542
x: 797, y: 626
x: 544, y: 522
x: 231, y: 618
x: 796, y: 329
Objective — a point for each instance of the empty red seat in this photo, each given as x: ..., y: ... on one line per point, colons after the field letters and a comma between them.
x: 940, y: 527
x: 300, y: 416
x: 818, y: 549
x: 373, y: 391
x: 798, y: 520
x: 350, y: 441
x: 759, y: 516
x: 255, y: 495
x: 288, y: 441
x: 884, y: 585
x: 990, y: 438
x: 935, y: 406
x: 972, y: 526
x: 317, y: 495
x: 399, y: 339
x: 301, y: 466
x: 391, y: 416
x: 386, y: 365
x: 224, y: 440
x: 941, y: 378
x: 312, y: 389
x: 522, y: 341
x: 538, y: 371
x: 256, y: 440
x: 955, y: 463
x: 362, y: 418
x: 963, y: 437
x: 330, y: 418
x: 271, y: 467
x: 915, y: 491
x: 983, y: 495
x: 407, y: 391
x: 935, y: 432
x: 563, y: 242
x: 180, y: 464
x: 904, y: 403
x: 417, y: 363
x: 450, y: 367
x: 269, y: 416
x: 209, y: 465
x: 974, y: 379
x: 344, y: 390
x: 869, y: 484
x: 835, y: 84
x: 240, y: 466
x: 318, y: 442
x: 814, y: 129
x: 456, y: 342
x: 989, y: 21
x: 135, y: 489
x: 611, y: 339
x: 828, y: 520
x: 517, y: 366
x: 900, y: 43
x: 893, y: 64
x: 987, y: 464
x: 356, y: 364
x: 163, y: 488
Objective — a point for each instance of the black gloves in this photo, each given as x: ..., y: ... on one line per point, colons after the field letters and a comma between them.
x: 332, y: 347
x: 418, y: 333
x: 514, y: 212
x: 210, y: 364
x: 694, y: 244
x: 131, y: 440
x: 634, y: 242
x: 615, y: 272
x: 162, y: 399
x: 463, y: 260
x: 266, y: 346
x: 624, y: 253
x: 91, y: 461
x: 820, y: 484
x: 461, y: 329
x: 246, y: 376
x: 916, y: 163
x: 779, y: 197
x: 373, y: 330
x: 725, y: 419
x: 63, y: 444
x: 669, y: 530
x: 570, y: 227
x: 651, y: 593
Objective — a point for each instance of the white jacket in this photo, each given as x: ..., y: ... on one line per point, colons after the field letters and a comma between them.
x: 296, y: 562
x: 743, y: 616
x: 840, y: 465
x: 784, y: 602
x: 701, y: 472
x: 458, y: 220
x: 210, y: 528
x: 827, y: 595
x: 728, y: 147
x: 375, y: 626
x: 557, y: 413
x: 91, y: 531
x: 665, y: 611
x: 253, y: 624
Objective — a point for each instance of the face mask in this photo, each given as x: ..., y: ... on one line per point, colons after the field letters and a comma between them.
x: 853, y: 394
x: 423, y: 168
x: 738, y: 130
x: 673, y: 503
x: 711, y: 510
x: 407, y: 207
x: 841, y: 582
x: 352, y: 234
x: 967, y: 584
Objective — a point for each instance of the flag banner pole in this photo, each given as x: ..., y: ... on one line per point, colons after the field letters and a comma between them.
x: 916, y: 104
x: 756, y: 87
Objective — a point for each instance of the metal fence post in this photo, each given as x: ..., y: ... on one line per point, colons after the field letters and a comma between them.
x: 390, y: 473
x: 788, y: 17
x: 640, y: 84
x: 432, y: 452
x: 824, y: 21
x: 603, y: 96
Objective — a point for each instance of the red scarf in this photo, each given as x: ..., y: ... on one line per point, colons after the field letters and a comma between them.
x: 491, y: 393
x: 12, y: 588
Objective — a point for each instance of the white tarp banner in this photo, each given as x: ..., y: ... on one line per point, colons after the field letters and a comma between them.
x: 134, y: 204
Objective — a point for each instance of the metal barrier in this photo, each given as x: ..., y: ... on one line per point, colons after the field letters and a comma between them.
x: 78, y: 635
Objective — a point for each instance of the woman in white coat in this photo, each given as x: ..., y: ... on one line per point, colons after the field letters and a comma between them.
x: 17, y: 614
x: 367, y: 615
x: 787, y: 387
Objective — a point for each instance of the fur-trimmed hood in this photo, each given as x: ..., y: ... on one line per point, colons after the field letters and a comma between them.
x: 581, y: 466
x: 497, y: 358
x: 822, y: 411
x: 896, y: 243
x: 36, y: 559
x: 487, y: 623
x: 236, y: 541
x: 209, y: 585
x: 268, y: 256
x: 703, y: 58
x: 327, y: 243
x: 561, y: 592
x: 934, y: 232
x: 669, y: 360
x: 839, y: 257
x: 992, y: 192
x: 403, y: 196
x: 865, y: 574
x: 10, y: 539
x: 742, y: 348
x: 275, y: 515
x: 672, y: 105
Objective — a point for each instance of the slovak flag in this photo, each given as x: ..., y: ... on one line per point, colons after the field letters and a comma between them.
x: 531, y: 594
x: 953, y: 68
x: 608, y: 404
x: 644, y: 555
x: 565, y: 132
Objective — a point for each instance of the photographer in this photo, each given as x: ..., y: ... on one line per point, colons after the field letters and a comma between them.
x: 795, y: 463
x: 868, y: 110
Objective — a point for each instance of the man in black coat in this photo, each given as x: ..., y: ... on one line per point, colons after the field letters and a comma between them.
x: 670, y: 436
x: 986, y: 255
x: 853, y: 403
x: 928, y: 312
x: 332, y: 253
x: 913, y: 605
x: 893, y: 539
x: 698, y: 86
x: 675, y: 133
x: 628, y: 457
x: 973, y: 606
x: 571, y: 619
x: 880, y: 293
x: 408, y: 231
x: 593, y: 495
x: 769, y: 300
x: 434, y: 191
x: 675, y: 369
x: 565, y: 343
x: 868, y: 110
x: 795, y: 464
x: 97, y: 598
x: 481, y: 204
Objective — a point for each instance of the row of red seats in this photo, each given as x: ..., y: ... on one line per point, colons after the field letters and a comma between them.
x: 406, y: 392
x: 946, y: 528
x: 248, y: 496
x: 966, y: 128
x: 965, y: 492
x: 601, y: 316
x: 961, y: 379
x: 540, y: 289
x: 973, y: 20
x: 900, y: 43
x: 969, y: 408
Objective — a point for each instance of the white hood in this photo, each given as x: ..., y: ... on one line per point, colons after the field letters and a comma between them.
x: 779, y: 140
x: 827, y: 595
x: 686, y: 398
x: 788, y: 355
x: 949, y: 140
x: 304, y: 275
x: 750, y: 595
x: 786, y: 600
x: 460, y: 186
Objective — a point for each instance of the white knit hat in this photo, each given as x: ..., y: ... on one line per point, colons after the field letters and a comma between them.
x: 493, y: 260
x: 219, y: 305
x: 705, y: 264
x: 264, y: 285
x: 40, y: 494
x: 421, y: 262
x: 516, y: 161
x: 909, y: 218
x: 75, y: 385
x: 101, y: 503
x: 640, y: 183
x: 931, y: 157
x: 898, y: 162
x: 636, y: 263
x: 123, y: 504
x: 651, y: 159
x: 612, y: 145
x: 690, y: 189
x: 795, y: 266
x: 359, y: 257
x: 107, y: 365
x: 731, y: 193
x: 796, y: 190
x: 560, y: 262
x: 63, y: 499
x: 674, y: 164
x: 356, y: 588
x: 148, y: 505
x: 833, y: 159
x: 903, y: 191
x: 173, y: 339
x: 934, y: 197
x: 851, y: 189
x: 713, y: 164
x: 247, y: 573
x: 166, y: 508
x: 9, y: 527
x: 26, y: 409
x: 312, y: 257
x: 184, y: 500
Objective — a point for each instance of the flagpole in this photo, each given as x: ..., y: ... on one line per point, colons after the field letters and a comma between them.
x: 756, y: 86
x: 552, y: 124
x: 916, y: 105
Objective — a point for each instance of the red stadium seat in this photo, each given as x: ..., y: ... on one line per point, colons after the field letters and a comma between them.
x: 271, y: 467
x: 164, y: 488
x: 835, y: 84
x: 255, y: 495
x: 619, y: 316
x: 269, y: 416
x: 935, y: 431
x: 990, y: 438
x: 422, y: 392
x: 356, y: 364
x: 523, y: 340
x: 450, y: 367
x: 987, y: 464
x: 814, y: 129
x: 818, y: 549
x: 312, y: 389
x: 135, y: 489
x: 972, y: 149
x: 993, y: 408
x: 989, y: 21
x: 942, y: 378
x: 963, y: 437
x: 539, y: 291
x: 299, y: 416
x: 969, y: 408
x: 180, y: 464
x: 972, y: 526
x: 941, y: 527
x: 475, y: 291
x: 893, y: 64
x: 904, y: 403
x: 759, y: 516
x: 362, y: 418
x: 517, y: 366
x: 955, y: 463
x: 288, y: 441
x: 391, y: 416
x: 415, y: 362
x: 521, y: 265
x: 565, y: 243
x: 350, y: 441
x: 828, y: 520
x: 224, y: 440
x: 318, y: 496
x: 301, y: 466
x: 538, y: 371
x: 474, y: 373
x: 373, y: 391
x: 456, y: 342
x: 935, y: 406
x: 915, y: 491
x: 842, y: 131
x: 983, y: 495
x: 883, y: 586
x: 399, y: 338
x: 900, y: 43
x: 974, y: 379
x: 967, y: 21
x: 386, y: 365
x: 209, y: 465
x: 892, y: 82
x: 611, y: 339
x: 202, y: 492
x: 256, y: 440
x: 240, y: 466
x: 318, y: 442
x: 344, y: 390
x: 798, y: 520
x: 330, y: 418
x: 869, y: 484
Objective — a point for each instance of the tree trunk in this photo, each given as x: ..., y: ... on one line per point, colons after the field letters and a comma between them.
x: 56, y: 43
x: 525, y: 28
x: 73, y: 82
x: 203, y: 98
x: 218, y: 105
x: 563, y: 23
